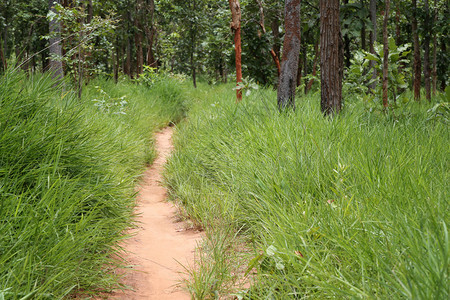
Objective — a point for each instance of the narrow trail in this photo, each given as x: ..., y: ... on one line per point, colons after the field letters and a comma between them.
x: 161, y: 243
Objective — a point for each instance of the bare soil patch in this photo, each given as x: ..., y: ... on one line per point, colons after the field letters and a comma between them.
x: 161, y: 243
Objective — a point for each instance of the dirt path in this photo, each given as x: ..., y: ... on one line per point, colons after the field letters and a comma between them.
x: 160, y: 240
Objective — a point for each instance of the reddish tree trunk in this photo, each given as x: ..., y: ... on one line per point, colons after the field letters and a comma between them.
x: 291, y: 51
x: 236, y: 28
x: 386, y: 54
x: 331, y: 57
x: 417, y: 67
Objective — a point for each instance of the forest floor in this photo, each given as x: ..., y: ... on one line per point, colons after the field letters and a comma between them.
x: 162, y: 244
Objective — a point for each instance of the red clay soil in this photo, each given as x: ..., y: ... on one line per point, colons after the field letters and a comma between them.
x: 161, y: 242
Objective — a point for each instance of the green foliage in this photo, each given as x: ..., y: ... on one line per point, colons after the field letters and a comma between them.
x: 84, y: 42
x: 349, y: 207
x: 67, y: 176
x: 359, y: 76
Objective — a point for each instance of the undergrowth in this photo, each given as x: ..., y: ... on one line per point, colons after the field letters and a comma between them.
x: 354, y: 206
x: 68, y: 168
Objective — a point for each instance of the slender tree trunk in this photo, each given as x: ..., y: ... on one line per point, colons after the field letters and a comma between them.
x: 81, y: 57
x: 386, y: 54
x: 3, y: 58
x: 276, y: 36
x: 263, y: 28
x: 236, y: 29
x: 417, y: 67
x: 426, y: 54
x: 363, y: 30
x: 55, y: 49
x: 397, y: 24
x: 444, y: 50
x: 193, y: 68
x: 434, y: 72
x: 127, y: 68
x: 138, y: 38
x: 372, y: 40
x: 347, y: 53
x: 291, y: 51
x: 331, y: 57
x: 90, y: 11
x: 314, y: 71
x: 4, y: 47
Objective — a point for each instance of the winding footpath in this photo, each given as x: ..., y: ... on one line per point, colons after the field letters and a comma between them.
x: 161, y: 243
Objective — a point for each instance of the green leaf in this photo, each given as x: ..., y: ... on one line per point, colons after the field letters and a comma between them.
x: 253, y: 263
x: 371, y: 57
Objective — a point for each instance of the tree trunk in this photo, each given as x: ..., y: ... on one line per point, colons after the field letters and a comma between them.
x: 426, y: 54
x: 263, y: 28
x: 417, y: 67
x: 434, y: 72
x: 236, y: 29
x: 331, y: 57
x: 386, y: 54
x: 138, y: 38
x: 55, y: 50
x: 444, y: 50
x: 291, y: 51
x: 397, y: 24
x: 372, y: 40
x: 3, y: 58
x: 276, y: 36
x: 347, y: 53
x: 314, y: 71
x: 90, y: 11
x: 363, y: 31
x: 127, y: 68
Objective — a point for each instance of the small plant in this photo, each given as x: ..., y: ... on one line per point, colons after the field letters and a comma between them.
x: 359, y: 76
x: 109, y: 104
x: 246, y: 85
x: 149, y: 77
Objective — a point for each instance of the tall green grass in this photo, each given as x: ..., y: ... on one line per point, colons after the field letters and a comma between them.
x: 67, y: 175
x: 350, y: 207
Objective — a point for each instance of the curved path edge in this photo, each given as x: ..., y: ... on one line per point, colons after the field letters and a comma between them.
x: 160, y: 245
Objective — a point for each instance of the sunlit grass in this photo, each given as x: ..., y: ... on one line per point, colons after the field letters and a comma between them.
x: 67, y: 175
x: 355, y: 206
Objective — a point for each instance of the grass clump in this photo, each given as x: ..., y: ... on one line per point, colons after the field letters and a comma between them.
x: 353, y: 207
x: 67, y: 175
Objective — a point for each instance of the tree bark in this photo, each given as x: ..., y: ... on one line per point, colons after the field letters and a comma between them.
x: 347, y: 52
x: 314, y: 71
x: 138, y: 39
x: 417, y: 67
x: 331, y: 57
x: 90, y: 11
x: 386, y: 54
x: 291, y: 51
x: 434, y: 72
x: 426, y: 53
x: 372, y: 40
x: 55, y: 49
x: 236, y: 29
x: 363, y: 30
x: 150, y: 32
x: 263, y: 28
x: 276, y: 36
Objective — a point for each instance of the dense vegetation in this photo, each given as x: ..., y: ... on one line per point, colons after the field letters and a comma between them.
x: 294, y: 203
x: 68, y: 168
x: 354, y: 207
